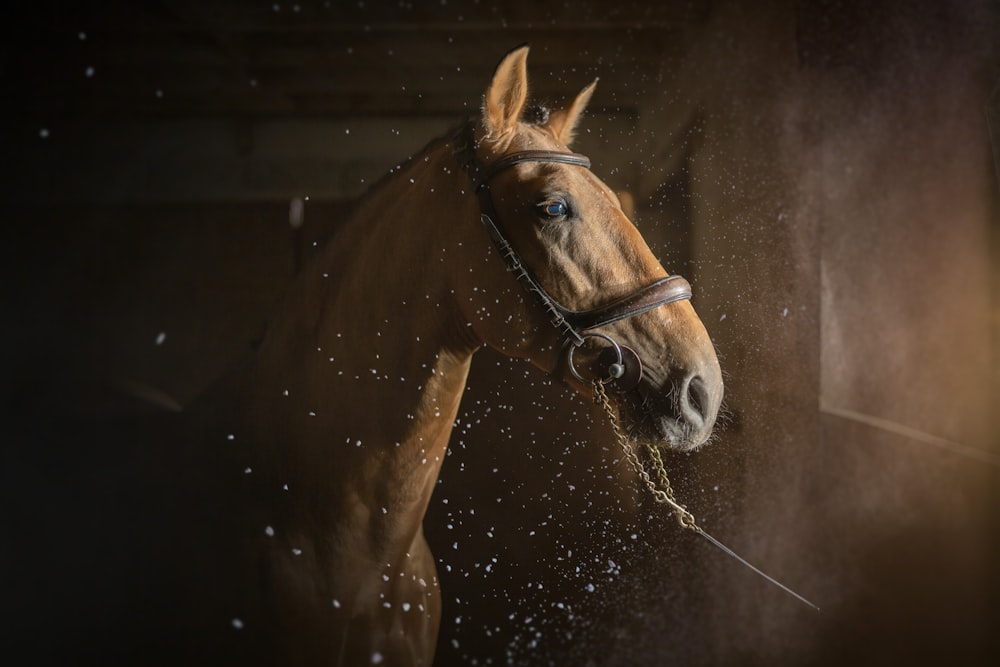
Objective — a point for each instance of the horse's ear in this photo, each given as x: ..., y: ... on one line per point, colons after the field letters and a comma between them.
x: 563, y: 123
x: 506, y: 95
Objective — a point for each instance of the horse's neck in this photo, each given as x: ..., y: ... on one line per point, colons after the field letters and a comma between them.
x: 358, y: 382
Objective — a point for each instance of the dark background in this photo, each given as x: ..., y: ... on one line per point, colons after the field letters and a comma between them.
x: 821, y: 171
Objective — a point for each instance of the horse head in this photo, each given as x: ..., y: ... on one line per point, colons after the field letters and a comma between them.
x: 617, y: 315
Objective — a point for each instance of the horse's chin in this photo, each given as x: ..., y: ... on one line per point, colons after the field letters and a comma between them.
x: 665, y: 433
x: 658, y: 428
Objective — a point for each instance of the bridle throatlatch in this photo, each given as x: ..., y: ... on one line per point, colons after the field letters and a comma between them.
x: 576, y: 327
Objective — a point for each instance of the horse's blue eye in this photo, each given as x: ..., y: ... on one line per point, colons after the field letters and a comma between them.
x: 555, y: 209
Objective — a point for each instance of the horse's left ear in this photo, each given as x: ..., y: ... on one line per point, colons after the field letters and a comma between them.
x: 563, y: 123
x: 506, y: 95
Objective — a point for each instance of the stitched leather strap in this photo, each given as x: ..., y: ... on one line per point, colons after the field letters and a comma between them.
x: 532, y: 156
x: 652, y: 296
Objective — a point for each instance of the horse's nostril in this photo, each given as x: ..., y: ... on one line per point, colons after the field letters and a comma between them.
x: 694, y: 401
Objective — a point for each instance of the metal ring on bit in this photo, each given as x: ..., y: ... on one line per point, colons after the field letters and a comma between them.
x: 615, y: 370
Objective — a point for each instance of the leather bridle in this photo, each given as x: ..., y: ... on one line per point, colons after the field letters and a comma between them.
x: 574, y: 326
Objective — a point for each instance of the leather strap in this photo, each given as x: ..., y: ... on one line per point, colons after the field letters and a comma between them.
x: 652, y: 296
x: 532, y: 156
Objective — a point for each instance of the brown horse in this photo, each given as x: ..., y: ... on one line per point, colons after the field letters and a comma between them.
x: 316, y: 462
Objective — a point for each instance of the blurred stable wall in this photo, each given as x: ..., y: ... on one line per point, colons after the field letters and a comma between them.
x: 820, y: 171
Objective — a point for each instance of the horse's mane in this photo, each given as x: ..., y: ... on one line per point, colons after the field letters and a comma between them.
x: 458, y: 135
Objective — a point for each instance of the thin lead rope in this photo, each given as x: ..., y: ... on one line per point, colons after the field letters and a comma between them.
x: 663, y: 493
x: 726, y: 550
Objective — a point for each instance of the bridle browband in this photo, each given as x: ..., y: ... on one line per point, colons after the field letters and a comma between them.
x: 575, y: 326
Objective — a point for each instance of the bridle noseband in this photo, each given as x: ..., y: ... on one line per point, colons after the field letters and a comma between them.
x: 575, y: 326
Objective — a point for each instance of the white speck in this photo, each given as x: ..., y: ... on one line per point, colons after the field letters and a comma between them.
x: 347, y: 131
x: 376, y: 658
x: 284, y: 392
x: 44, y: 133
x: 590, y: 588
x: 406, y: 606
x: 784, y: 313
x: 247, y: 470
x: 238, y: 624
x: 722, y: 317
x: 82, y: 36
x: 269, y: 531
x: 230, y: 437
x: 160, y: 337
x: 158, y: 93
x: 296, y: 551
x: 284, y: 487
x: 89, y: 72
x: 336, y: 603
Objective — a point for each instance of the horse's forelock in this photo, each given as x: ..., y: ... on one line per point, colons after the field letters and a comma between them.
x: 535, y: 114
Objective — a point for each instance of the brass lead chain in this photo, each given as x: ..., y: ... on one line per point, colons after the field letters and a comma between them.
x: 663, y: 493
